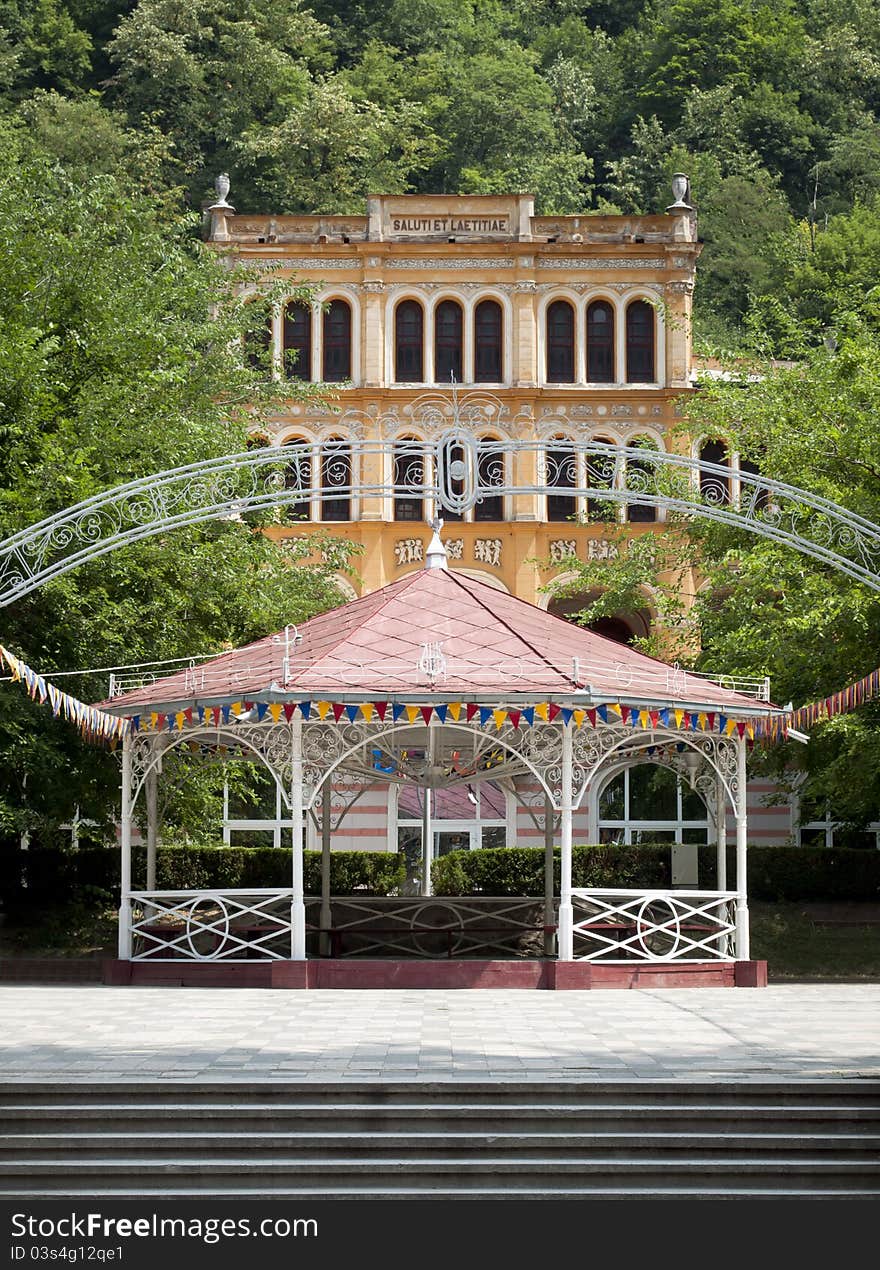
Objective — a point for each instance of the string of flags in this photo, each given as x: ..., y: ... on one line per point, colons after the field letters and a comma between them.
x: 838, y: 703
x: 93, y: 724
x: 455, y: 711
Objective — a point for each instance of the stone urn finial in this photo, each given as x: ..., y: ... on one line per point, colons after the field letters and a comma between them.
x: 681, y: 190
x: 221, y: 188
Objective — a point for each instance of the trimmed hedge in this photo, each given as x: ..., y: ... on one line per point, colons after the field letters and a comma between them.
x: 91, y: 874
x: 774, y: 873
x: 48, y: 875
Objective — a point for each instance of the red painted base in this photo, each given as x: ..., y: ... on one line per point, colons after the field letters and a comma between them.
x: 558, y: 975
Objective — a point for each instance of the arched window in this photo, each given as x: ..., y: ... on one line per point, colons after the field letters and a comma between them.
x: 297, y: 338
x: 640, y: 476
x: 447, y: 342
x: 409, y: 322
x: 600, y: 343
x: 600, y: 475
x: 560, y: 343
x: 337, y: 342
x: 650, y: 803
x: 561, y: 463
x: 335, y: 480
x: 713, y: 487
x: 409, y: 479
x: 640, y: 343
x: 258, y: 344
x: 298, y: 479
x: 488, y: 336
x: 490, y: 468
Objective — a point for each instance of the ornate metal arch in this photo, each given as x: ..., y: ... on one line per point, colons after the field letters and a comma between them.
x: 594, y: 749
x: 326, y: 749
x: 263, y: 742
x: 452, y: 470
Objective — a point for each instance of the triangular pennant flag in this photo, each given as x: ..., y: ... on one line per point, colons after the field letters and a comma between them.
x: 644, y: 717
x: 396, y: 712
x: 710, y: 720
x: 440, y: 712
x: 201, y: 713
x: 701, y: 722
x: 337, y: 711
x: 602, y: 713
x: 664, y: 717
x: 731, y: 727
x: 224, y: 710
x: 529, y: 715
x: 500, y: 717
x: 566, y: 715
x: 367, y: 711
x: 515, y: 716
x: 470, y: 711
x: 352, y: 712
x: 722, y: 722
x: 741, y: 729
x: 275, y: 709
x: 136, y: 723
x: 591, y: 715
x: 188, y: 715
x: 426, y: 712
x: 616, y: 709
x: 262, y: 707
x: 553, y: 710
x: 412, y: 713
x: 654, y: 716
x: 579, y: 716
x: 624, y: 713
x: 381, y: 708
x: 543, y: 711
x: 485, y: 714
x: 160, y: 720
x: 289, y: 709
x: 236, y: 708
x: 154, y: 720
x: 305, y: 709
x: 455, y: 710
x: 323, y: 710
x: 679, y: 715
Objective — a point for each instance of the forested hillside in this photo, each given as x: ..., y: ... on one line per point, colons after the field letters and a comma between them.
x: 769, y: 105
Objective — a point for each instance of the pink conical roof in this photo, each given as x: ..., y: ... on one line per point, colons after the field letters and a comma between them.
x: 489, y: 645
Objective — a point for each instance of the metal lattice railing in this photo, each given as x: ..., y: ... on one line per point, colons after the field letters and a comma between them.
x: 211, y: 925
x: 654, y: 926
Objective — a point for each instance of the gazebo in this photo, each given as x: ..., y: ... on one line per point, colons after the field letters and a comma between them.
x: 440, y: 680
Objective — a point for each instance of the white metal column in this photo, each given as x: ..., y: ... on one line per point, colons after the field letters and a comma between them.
x: 742, y: 905
x: 427, y: 842
x: 720, y: 836
x: 565, y: 939
x: 151, y: 793
x: 125, y: 855
x: 297, y: 905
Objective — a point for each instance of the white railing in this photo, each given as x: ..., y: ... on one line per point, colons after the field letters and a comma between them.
x: 211, y: 925
x: 626, y: 926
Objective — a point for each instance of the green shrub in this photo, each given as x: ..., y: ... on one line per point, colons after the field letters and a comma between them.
x: 51, y: 875
x: 774, y: 873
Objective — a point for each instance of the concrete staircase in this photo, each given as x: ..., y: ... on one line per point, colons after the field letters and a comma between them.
x: 421, y: 1140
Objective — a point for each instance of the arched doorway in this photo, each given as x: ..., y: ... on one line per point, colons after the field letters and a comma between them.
x: 622, y: 627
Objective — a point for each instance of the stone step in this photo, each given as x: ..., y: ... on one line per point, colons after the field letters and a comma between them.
x: 150, y: 1144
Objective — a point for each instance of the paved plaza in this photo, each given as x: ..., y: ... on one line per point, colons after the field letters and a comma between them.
x: 88, y: 1032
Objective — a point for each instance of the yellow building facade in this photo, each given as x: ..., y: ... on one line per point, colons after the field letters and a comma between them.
x: 530, y: 328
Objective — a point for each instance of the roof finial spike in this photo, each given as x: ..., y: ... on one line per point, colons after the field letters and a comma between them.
x: 436, y: 557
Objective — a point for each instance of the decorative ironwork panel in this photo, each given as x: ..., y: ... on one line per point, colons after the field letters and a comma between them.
x: 211, y: 925
x: 655, y: 926
x: 452, y: 468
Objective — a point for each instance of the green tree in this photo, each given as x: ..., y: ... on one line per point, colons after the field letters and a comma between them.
x: 119, y: 358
